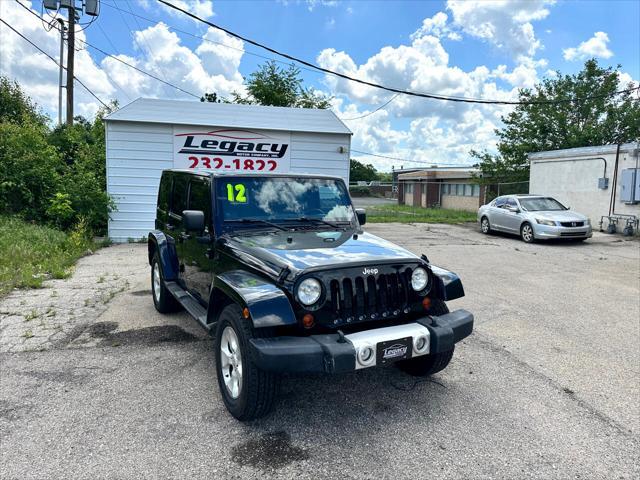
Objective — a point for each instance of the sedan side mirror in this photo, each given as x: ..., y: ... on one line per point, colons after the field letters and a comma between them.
x: 361, y: 213
x: 513, y: 209
x: 193, y: 220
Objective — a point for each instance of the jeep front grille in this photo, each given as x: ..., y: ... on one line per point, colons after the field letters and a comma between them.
x: 370, y: 297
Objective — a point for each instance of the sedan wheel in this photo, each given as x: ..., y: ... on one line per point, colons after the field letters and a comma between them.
x: 485, y: 226
x: 526, y: 232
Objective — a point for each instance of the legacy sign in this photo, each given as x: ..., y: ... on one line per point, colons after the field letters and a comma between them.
x: 231, y: 150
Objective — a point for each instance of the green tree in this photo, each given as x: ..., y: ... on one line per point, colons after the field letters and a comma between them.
x: 16, y: 107
x: 596, y: 116
x: 279, y: 87
x: 361, y: 172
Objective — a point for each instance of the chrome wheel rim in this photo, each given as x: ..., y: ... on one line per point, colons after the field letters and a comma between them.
x: 527, y: 233
x: 231, y: 362
x: 156, y: 282
x: 485, y: 225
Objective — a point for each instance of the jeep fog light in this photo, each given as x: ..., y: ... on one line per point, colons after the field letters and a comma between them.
x: 309, y: 291
x: 366, y: 355
x: 420, y: 344
x: 419, y: 279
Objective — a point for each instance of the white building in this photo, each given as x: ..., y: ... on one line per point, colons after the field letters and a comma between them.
x: 148, y: 136
x: 596, y: 181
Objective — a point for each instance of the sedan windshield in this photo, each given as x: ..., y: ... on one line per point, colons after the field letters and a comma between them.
x: 541, y: 204
x: 264, y: 200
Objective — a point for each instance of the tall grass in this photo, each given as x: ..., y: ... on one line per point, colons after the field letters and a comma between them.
x: 409, y: 214
x: 30, y: 254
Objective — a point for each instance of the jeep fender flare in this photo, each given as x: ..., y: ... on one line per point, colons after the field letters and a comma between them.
x: 268, y: 305
x: 448, y: 285
x: 158, y: 242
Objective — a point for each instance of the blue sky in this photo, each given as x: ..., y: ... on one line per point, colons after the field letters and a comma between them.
x: 470, y: 48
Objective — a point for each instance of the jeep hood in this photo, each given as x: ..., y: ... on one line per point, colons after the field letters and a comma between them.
x: 310, y: 249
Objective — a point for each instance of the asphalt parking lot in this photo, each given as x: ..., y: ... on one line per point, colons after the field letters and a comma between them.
x: 548, y: 386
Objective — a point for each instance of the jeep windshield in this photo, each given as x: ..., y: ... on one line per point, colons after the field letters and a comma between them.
x: 283, y: 201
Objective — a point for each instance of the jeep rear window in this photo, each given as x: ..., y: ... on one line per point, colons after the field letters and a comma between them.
x: 282, y: 199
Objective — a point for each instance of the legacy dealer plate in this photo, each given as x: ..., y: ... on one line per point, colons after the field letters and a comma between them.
x: 394, y: 350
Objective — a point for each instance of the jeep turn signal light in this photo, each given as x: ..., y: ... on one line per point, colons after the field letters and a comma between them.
x: 308, y: 321
x: 245, y: 312
x: 426, y: 303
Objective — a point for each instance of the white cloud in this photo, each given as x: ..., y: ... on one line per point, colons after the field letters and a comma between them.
x: 506, y: 24
x: 596, y: 46
x: 201, y: 8
x: 416, y: 128
x: 211, y: 67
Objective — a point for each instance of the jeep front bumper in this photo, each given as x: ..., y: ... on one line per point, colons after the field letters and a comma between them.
x: 325, y: 353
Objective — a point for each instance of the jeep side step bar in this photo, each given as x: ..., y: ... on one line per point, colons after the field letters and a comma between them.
x: 190, y: 304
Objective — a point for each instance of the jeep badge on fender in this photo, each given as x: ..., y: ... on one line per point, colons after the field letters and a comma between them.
x: 280, y: 271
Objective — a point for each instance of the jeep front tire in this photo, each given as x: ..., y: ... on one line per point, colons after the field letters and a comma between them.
x: 247, y: 392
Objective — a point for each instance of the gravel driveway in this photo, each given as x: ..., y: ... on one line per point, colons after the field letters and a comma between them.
x: 548, y: 385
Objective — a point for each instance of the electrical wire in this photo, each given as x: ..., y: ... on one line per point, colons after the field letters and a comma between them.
x: 120, y: 60
x: 139, y: 69
x: 204, y: 39
x: 56, y: 62
x: 424, y: 162
x: 376, y: 110
x: 383, y: 87
x: 104, y: 34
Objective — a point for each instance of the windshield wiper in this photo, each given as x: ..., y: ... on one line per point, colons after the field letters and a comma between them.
x: 256, y: 220
x: 319, y: 220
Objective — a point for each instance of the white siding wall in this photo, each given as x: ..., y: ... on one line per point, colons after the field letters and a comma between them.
x: 574, y: 182
x: 138, y: 152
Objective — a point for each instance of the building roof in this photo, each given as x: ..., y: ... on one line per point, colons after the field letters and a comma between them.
x: 583, y: 151
x: 439, y: 173
x: 230, y: 115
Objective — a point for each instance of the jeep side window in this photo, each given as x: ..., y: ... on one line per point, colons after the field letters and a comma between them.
x: 163, y: 193
x: 179, y: 196
x: 200, y: 198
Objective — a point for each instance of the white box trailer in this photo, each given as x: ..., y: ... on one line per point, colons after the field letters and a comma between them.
x: 150, y: 135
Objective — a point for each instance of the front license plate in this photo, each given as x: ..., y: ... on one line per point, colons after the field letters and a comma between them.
x: 393, y: 350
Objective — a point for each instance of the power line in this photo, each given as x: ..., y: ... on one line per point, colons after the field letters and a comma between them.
x: 185, y: 32
x: 120, y: 60
x: 424, y: 162
x: 56, y: 62
x: 139, y: 69
x: 390, y: 89
x: 376, y: 110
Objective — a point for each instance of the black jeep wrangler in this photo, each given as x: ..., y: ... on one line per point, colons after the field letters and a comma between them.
x: 279, y: 268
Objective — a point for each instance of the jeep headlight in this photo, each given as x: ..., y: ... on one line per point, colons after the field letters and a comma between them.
x: 543, y: 221
x: 419, y: 279
x: 309, y: 291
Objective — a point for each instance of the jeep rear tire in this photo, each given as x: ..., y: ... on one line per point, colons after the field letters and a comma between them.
x: 162, y: 298
x: 433, y: 363
x: 247, y: 392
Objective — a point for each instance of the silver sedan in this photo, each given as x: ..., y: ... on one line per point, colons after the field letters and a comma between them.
x: 533, y: 217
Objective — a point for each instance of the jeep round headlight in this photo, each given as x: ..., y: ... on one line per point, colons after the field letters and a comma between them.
x: 419, y: 279
x: 309, y: 291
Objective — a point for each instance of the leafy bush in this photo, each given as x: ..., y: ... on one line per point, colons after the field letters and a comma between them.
x: 51, y: 176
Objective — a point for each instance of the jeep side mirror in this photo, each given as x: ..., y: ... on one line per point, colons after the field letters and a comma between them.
x: 361, y: 213
x: 193, y: 220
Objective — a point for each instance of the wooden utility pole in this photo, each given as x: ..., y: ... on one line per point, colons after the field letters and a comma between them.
x: 71, y: 37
